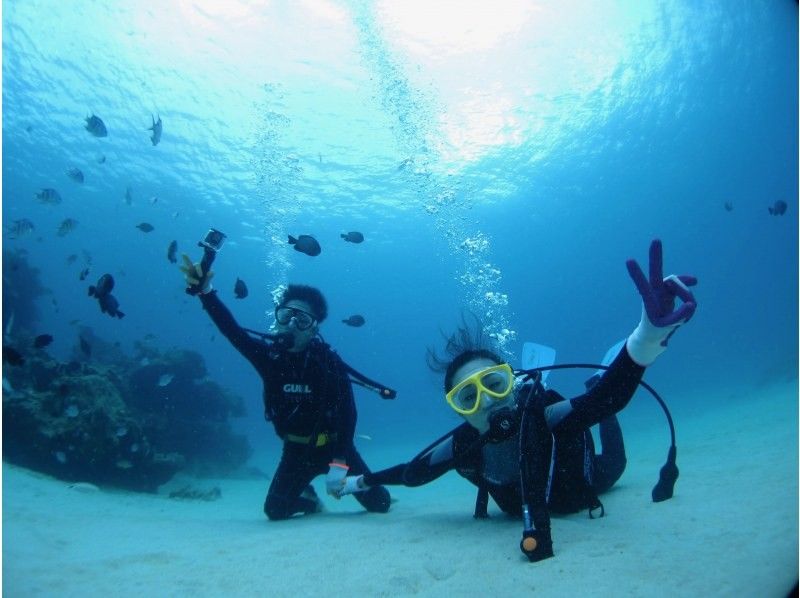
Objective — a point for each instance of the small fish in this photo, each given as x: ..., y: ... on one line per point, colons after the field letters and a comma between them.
x: 128, y: 196
x: 728, y: 206
x: 71, y: 411
x: 102, y: 291
x: 135, y: 447
x: 405, y: 164
x: 354, y: 321
x: 72, y: 258
x: 176, y: 214
x: 60, y: 456
x: 84, y: 273
x: 172, y: 252
x: 20, y: 228
x: 42, y: 341
x: 145, y: 361
x: 49, y: 195
x: 101, y: 159
x: 74, y: 322
x: 96, y: 126
x: 156, y: 129
x: 67, y: 226
x: 12, y: 357
x: 778, y: 208
x: 240, y: 289
x: 353, y: 237
x: 29, y: 128
x: 121, y: 431
x: 154, y: 200
x: 146, y: 227
x: 305, y: 244
x: 124, y: 464
x: 86, y: 348
x: 364, y: 436
x: 105, y: 284
x: 165, y: 379
x: 75, y: 174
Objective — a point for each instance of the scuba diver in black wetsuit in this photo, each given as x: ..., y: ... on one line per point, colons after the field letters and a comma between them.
x: 515, y: 430
x: 308, y: 396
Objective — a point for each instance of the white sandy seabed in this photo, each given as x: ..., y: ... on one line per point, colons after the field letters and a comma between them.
x: 731, y: 529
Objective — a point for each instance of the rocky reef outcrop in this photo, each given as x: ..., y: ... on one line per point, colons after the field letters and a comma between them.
x: 131, y: 422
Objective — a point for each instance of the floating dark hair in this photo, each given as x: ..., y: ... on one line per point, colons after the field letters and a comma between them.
x: 310, y: 295
x: 468, y: 342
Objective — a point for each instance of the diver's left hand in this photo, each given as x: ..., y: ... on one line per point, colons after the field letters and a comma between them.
x: 660, y: 319
x: 335, y: 480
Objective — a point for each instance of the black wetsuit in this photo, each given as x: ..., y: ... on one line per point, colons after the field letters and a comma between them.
x: 577, y: 474
x: 308, y: 397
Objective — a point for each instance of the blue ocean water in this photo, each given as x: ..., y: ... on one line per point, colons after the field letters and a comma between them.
x: 506, y: 160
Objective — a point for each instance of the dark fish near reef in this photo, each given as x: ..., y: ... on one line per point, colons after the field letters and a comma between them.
x: 42, y: 341
x: 101, y: 159
x: 728, y: 206
x: 102, y: 291
x: 353, y: 237
x: 75, y: 174
x: 12, y: 357
x: 67, y: 226
x: 305, y: 244
x: 128, y: 196
x: 20, y: 227
x: 240, y: 289
x: 105, y: 284
x: 156, y: 129
x: 145, y: 227
x: 49, y: 195
x: 84, y: 273
x: 354, y: 321
x: 778, y: 208
x: 96, y: 126
x: 172, y: 252
x: 86, y: 348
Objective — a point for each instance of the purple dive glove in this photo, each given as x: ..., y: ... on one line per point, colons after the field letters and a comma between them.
x: 660, y: 319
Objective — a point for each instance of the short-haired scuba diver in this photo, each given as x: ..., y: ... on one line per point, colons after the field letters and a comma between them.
x: 515, y: 429
x: 308, y: 394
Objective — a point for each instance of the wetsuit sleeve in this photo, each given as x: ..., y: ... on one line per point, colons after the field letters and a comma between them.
x: 610, y: 395
x: 227, y: 325
x: 449, y: 452
x: 345, y: 413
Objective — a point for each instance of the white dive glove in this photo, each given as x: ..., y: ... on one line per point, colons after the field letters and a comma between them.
x: 660, y: 319
x: 353, y: 484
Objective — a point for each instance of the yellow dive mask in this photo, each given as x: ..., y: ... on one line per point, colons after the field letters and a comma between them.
x: 494, y: 382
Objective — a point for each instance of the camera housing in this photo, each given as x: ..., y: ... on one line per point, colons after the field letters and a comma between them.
x: 213, y: 240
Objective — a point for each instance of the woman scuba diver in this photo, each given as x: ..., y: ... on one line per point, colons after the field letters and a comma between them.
x: 513, y: 428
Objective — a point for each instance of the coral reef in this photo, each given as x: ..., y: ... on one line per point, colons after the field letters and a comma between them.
x: 130, y: 423
x: 21, y: 288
